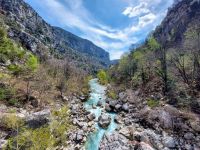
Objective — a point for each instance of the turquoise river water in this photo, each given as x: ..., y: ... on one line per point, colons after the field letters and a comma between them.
x: 98, y: 93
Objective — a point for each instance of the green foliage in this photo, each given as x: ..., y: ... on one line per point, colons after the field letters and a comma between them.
x: 12, y: 122
x: 20, y: 59
x: 103, y: 77
x: 15, y: 69
x: 32, y: 63
x: 6, y: 94
x: 152, y: 103
x: 45, y: 137
x: 38, y: 139
x: 153, y: 44
x: 112, y: 94
x: 127, y: 67
x: 13, y: 101
x: 86, y: 87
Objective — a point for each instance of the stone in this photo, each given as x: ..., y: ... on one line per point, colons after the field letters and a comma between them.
x: 145, y: 146
x: 117, y: 119
x: 79, y: 136
x: 104, y: 121
x: 118, y: 107
x: 127, y: 132
x: 125, y: 107
x: 122, y: 95
x: 112, y: 103
x: 91, y: 116
x: 107, y: 107
x: 3, y: 143
x: 169, y: 142
x: 189, y: 136
x: 195, y: 126
x: 99, y: 103
x: 38, y: 119
x: 83, y: 98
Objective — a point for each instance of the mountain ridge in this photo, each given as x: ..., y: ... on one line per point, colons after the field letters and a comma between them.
x: 27, y: 27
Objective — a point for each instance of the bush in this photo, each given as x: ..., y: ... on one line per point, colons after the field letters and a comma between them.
x: 45, y: 137
x: 32, y: 63
x: 13, y: 102
x: 152, y: 103
x: 112, y: 94
x: 103, y: 77
x: 11, y: 122
x: 15, y: 69
x: 6, y: 93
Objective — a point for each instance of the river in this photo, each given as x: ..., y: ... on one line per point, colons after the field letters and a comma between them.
x: 98, y: 93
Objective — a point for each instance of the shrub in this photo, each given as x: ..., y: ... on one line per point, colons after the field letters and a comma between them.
x: 15, y: 69
x: 45, y: 137
x: 32, y: 63
x: 12, y: 122
x: 103, y: 77
x: 13, y: 102
x: 152, y: 103
x: 6, y: 93
x: 112, y: 94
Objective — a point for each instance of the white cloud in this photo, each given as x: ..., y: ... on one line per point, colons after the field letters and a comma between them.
x: 137, y: 10
x: 73, y: 14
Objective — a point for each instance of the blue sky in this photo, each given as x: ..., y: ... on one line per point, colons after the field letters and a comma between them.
x: 111, y: 24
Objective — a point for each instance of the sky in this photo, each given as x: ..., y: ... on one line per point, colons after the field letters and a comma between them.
x: 113, y: 25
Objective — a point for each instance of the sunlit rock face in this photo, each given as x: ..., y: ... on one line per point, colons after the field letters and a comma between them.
x: 27, y: 27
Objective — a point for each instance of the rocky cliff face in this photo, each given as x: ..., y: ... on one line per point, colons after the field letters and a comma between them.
x: 27, y: 27
x: 183, y: 14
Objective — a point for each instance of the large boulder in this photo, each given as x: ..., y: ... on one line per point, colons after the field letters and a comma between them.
x: 38, y: 119
x: 104, y: 121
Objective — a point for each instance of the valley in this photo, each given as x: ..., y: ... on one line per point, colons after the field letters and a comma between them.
x: 59, y: 91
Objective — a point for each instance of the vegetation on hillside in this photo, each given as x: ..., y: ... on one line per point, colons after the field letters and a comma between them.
x: 157, y: 68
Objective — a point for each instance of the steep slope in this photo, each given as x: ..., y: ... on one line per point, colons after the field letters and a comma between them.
x: 27, y: 27
x: 180, y: 17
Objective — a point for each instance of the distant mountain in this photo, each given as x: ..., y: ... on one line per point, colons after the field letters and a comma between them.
x: 114, y: 62
x: 29, y: 29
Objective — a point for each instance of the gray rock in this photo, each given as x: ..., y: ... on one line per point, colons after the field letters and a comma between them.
x: 169, y: 142
x: 113, y: 103
x: 125, y: 107
x: 79, y: 136
x: 117, y: 119
x: 189, y: 136
x: 118, y: 107
x: 122, y: 95
x: 91, y: 116
x: 99, y: 103
x: 107, y: 107
x: 145, y: 146
x: 3, y: 143
x: 104, y: 120
x: 38, y: 119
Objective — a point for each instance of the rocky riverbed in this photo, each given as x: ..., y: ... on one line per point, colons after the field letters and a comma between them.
x: 137, y: 125
x: 144, y: 128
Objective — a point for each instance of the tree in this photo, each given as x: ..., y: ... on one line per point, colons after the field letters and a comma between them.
x: 127, y: 67
x: 14, y: 123
x: 103, y: 77
x: 160, y: 50
x: 193, y: 43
